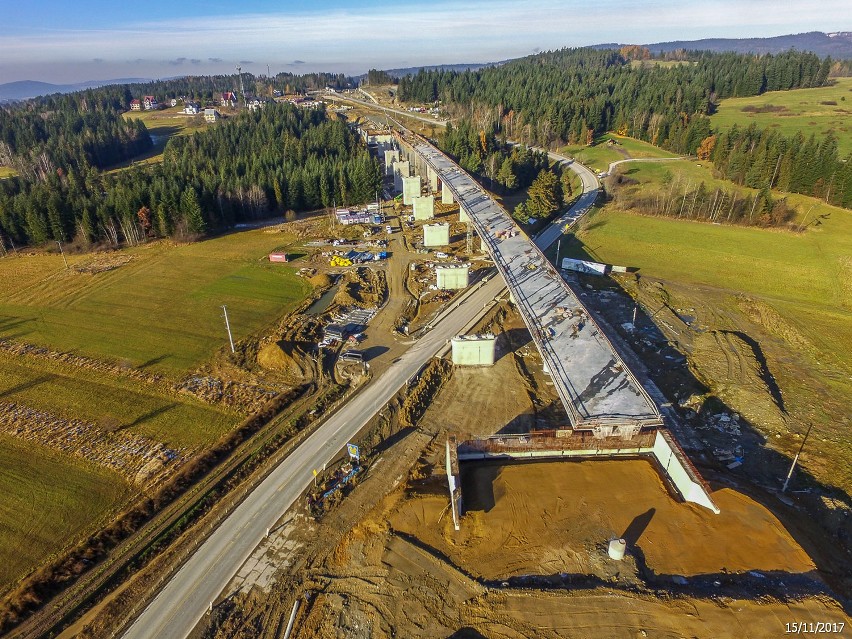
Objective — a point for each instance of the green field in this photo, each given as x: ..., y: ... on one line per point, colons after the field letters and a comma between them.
x: 599, y: 156
x: 815, y: 111
x: 7, y: 171
x: 162, y: 125
x: 162, y: 310
x: 49, y: 501
x: 73, y: 392
x: 802, y: 282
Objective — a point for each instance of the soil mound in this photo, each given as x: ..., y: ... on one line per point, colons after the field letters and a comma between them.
x: 284, y: 357
x: 321, y: 280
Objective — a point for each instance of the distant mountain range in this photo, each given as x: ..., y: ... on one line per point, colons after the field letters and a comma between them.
x: 24, y: 89
x: 838, y: 44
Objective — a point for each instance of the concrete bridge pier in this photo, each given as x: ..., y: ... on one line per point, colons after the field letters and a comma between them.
x: 401, y: 170
x: 433, y: 179
x: 410, y: 189
x: 390, y: 158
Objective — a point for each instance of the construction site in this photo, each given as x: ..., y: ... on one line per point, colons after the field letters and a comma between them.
x: 500, y: 495
x: 531, y: 480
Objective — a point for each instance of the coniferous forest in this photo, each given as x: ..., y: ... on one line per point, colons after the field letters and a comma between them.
x: 574, y: 95
x: 274, y: 159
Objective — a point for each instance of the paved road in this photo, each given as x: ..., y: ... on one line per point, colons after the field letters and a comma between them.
x: 612, y: 165
x: 185, y: 598
x: 590, y: 193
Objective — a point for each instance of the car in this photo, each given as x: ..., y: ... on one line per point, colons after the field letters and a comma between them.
x: 441, y: 254
x: 388, y: 229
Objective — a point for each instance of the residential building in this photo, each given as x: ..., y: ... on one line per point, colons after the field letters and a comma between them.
x: 211, y: 115
x: 229, y: 99
x: 135, y: 105
x: 150, y: 102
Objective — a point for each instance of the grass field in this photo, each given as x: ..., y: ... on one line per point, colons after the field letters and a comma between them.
x: 599, y: 156
x: 7, y: 171
x: 162, y: 125
x: 162, y: 310
x: 805, y: 330
x: 808, y: 110
x: 48, y: 501
x: 73, y: 392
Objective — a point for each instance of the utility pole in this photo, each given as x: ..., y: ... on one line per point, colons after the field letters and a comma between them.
x: 228, y: 327
x: 242, y: 89
x: 796, y: 460
x: 64, y: 259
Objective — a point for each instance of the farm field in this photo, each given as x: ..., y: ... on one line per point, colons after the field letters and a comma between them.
x: 49, y: 500
x: 109, y: 401
x: 159, y: 308
x: 818, y: 111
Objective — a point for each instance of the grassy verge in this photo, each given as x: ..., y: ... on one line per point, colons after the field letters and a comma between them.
x: 162, y: 309
x: 818, y: 111
x: 48, y: 500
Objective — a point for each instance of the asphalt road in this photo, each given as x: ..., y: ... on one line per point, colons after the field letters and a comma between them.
x: 185, y: 598
x: 590, y: 193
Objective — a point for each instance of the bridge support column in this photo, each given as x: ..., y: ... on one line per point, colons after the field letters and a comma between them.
x: 401, y: 170
x: 446, y: 195
x: 463, y: 216
x: 390, y: 158
x: 433, y: 179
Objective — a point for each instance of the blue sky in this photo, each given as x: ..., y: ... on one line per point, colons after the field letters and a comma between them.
x: 70, y: 41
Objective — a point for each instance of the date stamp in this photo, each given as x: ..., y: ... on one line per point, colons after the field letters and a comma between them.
x: 814, y: 627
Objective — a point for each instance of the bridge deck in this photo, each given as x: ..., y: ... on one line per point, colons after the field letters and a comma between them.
x: 593, y: 382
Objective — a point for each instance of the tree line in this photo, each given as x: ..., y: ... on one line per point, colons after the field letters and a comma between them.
x: 274, y: 159
x: 574, y: 95
x: 763, y: 158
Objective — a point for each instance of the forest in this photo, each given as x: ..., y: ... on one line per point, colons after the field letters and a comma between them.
x: 574, y: 95
x: 271, y: 160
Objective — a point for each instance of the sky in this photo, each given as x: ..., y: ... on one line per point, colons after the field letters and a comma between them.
x: 65, y: 41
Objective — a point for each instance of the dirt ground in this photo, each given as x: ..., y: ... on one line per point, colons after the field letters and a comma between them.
x: 553, y: 518
x: 530, y: 559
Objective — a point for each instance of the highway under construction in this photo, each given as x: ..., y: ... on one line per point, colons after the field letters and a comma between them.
x: 600, y: 394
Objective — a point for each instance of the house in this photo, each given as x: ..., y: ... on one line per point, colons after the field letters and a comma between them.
x: 211, y: 115
x: 135, y: 105
x: 150, y: 102
x: 229, y: 99
x: 256, y: 103
x: 173, y: 102
x: 191, y: 108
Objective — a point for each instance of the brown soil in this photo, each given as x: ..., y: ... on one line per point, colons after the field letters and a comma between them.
x: 287, y: 358
x: 362, y: 287
x: 551, y: 518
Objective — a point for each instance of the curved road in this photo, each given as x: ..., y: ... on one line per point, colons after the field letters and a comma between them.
x: 612, y: 165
